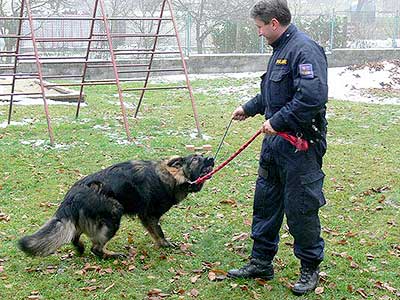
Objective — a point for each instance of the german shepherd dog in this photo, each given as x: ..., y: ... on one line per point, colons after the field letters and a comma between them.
x: 95, y: 204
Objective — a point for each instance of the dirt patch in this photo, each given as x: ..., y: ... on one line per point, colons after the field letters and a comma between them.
x: 27, y: 86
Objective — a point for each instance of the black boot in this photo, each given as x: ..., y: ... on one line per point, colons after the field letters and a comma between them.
x: 308, y: 280
x: 256, y: 268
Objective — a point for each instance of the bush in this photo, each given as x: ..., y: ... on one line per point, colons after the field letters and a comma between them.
x: 236, y: 37
x: 319, y: 28
x: 241, y: 36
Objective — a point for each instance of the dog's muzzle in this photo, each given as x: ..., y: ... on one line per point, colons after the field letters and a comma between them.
x: 208, y: 166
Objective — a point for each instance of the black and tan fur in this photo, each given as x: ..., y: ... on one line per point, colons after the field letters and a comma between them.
x: 95, y: 204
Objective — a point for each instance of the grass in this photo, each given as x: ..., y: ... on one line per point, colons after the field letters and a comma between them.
x: 360, y: 221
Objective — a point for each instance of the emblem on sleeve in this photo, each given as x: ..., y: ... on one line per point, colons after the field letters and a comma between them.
x: 306, y: 71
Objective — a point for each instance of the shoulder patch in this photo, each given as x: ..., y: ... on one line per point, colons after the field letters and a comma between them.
x: 306, y: 71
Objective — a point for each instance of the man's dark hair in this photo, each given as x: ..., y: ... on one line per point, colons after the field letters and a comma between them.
x: 266, y: 10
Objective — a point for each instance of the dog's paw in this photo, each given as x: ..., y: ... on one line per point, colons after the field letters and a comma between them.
x: 165, y: 244
x: 119, y: 256
x: 113, y: 255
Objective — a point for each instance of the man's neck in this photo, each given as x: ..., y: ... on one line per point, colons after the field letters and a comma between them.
x: 281, y: 30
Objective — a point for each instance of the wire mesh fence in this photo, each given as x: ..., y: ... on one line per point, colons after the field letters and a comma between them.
x: 337, y: 29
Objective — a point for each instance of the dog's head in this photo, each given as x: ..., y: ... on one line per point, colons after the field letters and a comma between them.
x: 191, y: 167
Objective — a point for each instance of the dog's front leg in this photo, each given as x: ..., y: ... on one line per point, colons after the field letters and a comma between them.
x: 152, y: 224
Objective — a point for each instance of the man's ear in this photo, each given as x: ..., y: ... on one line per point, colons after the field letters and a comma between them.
x: 175, y: 162
x: 275, y: 23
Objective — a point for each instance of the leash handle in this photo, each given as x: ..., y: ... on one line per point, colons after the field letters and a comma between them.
x: 299, y: 143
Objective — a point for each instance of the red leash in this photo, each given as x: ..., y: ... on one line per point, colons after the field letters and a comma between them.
x: 300, y: 144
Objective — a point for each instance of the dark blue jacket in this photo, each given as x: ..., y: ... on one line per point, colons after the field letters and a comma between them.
x: 294, y: 89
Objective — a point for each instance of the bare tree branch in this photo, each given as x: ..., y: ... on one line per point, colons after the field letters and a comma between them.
x: 208, y: 14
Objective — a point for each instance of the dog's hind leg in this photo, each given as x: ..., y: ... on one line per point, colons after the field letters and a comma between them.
x: 152, y: 224
x: 100, y: 220
x: 79, y: 246
x: 105, y: 232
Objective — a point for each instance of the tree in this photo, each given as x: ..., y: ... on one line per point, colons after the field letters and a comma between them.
x: 209, y: 14
x: 132, y: 8
x: 236, y: 37
x: 114, y: 8
x: 360, y: 4
x: 12, y: 8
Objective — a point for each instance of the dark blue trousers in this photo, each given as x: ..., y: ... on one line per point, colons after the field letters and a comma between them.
x: 289, y: 183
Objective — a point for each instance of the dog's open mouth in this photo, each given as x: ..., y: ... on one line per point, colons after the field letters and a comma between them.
x: 209, y: 164
x: 205, y: 171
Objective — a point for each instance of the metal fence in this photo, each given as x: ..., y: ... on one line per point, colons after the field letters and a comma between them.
x: 349, y: 29
x: 338, y: 29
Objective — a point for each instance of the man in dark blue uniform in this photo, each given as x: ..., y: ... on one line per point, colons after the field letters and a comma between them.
x: 293, y: 96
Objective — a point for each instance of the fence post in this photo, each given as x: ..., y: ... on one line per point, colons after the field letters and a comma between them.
x: 261, y: 39
x: 332, y: 30
x: 188, y: 33
x: 396, y: 31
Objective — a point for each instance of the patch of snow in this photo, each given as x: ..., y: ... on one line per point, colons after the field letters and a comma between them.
x: 21, y: 123
x: 181, y: 77
x: 102, y: 127
x: 45, y: 144
x: 33, y: 143
x: 126, y: 104
x: 113, y: 135
x: 194, y: 135
x: 352, y: 84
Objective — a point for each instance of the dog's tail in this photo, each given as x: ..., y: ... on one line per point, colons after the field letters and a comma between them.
x: 52, y: 235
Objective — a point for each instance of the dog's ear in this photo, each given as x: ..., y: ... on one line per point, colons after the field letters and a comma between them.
x: 175, y: 162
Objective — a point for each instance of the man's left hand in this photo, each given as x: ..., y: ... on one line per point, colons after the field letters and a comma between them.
x: 267, y: 128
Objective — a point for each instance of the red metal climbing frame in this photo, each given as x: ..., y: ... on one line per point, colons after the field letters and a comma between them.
x: 105, y: 34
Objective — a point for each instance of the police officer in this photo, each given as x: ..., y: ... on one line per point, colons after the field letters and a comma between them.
x: 293, y: 96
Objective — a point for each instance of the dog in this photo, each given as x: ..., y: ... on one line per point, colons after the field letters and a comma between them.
x: 96, y: 203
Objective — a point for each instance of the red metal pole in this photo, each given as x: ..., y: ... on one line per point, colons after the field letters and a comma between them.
x: 39, y: 67
x: 151, y: 58
x: 196, y: 118
x: 87, y: 57
x: 110, y: 45
x: 15, y: 62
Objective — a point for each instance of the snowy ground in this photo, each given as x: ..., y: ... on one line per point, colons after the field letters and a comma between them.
x: 373, y: 83
x: 370, y: 83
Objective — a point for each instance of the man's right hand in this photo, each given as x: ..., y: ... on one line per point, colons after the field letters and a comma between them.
x: 239, y: 114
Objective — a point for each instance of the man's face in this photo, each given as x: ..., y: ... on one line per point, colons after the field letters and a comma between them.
x: 267, y: 30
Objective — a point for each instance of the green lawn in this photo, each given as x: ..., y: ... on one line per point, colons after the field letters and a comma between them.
x: 360, y: 222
